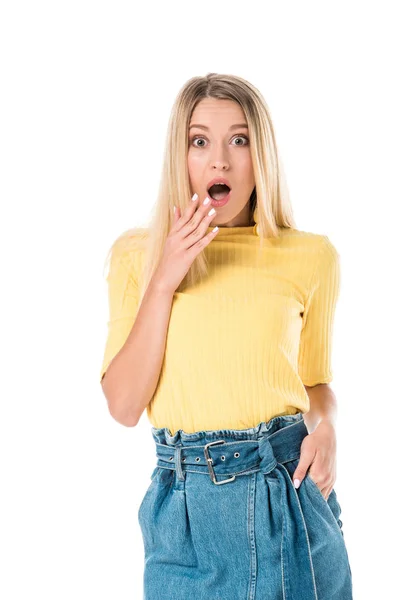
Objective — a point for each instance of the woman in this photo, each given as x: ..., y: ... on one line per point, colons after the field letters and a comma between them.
x: 221, y: 317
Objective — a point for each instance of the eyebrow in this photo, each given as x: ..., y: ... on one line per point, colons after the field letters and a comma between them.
x: 232, y: 126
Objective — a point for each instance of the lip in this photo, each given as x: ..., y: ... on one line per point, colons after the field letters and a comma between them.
x: 218, y: 180
x: 219, y: 203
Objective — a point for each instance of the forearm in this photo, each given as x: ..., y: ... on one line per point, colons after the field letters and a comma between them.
x: 323, y: 406
x: 132, y: 376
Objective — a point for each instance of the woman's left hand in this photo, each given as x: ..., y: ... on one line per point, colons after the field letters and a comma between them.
x: 318, y: 449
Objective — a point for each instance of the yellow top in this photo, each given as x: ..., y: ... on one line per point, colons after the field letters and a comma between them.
x: 242, y: 342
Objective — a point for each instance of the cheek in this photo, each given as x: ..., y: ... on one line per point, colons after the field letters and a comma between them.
x: 191, y: 170
x: 195, y: 165
x: 245, y: 165
x: 249, y: 163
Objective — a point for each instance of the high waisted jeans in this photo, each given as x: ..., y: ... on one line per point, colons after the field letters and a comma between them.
x: 222, y: 520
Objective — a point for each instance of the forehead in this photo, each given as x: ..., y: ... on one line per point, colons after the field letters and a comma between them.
x: 212, y: 112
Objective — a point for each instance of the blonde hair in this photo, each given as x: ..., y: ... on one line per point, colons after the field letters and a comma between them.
x: 270, y: 195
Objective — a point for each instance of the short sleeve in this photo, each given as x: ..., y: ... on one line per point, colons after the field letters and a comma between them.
x: 315, y: 350
x: 123, y: 301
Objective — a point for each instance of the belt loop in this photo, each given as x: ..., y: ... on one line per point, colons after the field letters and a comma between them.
x: 178, y: 465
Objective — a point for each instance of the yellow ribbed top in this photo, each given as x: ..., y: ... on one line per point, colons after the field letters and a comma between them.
x: 242, y: 342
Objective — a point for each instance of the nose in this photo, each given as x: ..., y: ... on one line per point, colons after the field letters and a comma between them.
x: 219, y: 163
x: 219, y: 159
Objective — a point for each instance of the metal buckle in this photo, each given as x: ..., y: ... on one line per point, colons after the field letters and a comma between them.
x: 209, y: 461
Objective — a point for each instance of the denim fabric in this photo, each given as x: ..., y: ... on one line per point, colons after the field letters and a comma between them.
x: 254, y: 537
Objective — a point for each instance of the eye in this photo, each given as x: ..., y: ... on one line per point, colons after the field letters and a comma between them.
x: 196, y: 137
x: 200, y: 137
x: 241, y: 136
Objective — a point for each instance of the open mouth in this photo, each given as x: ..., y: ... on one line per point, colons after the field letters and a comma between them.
x: 219, y: 191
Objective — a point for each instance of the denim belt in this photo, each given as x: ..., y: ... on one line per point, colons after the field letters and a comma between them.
x: 242, y: 457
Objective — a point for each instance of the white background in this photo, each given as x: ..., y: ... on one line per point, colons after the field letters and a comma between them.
x: 86, y: 92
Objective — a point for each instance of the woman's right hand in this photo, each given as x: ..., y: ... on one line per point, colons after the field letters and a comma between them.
x: 186, y: 239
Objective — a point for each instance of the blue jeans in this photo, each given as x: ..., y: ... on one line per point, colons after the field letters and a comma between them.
x: 222, y: 520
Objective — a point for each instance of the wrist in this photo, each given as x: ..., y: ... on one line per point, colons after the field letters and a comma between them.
x: 159, y: 287
x: 328, y: 420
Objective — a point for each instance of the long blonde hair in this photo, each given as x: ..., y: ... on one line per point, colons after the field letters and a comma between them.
x: 270, y: 195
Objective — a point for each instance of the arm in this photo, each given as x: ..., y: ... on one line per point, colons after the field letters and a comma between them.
x: 132, y: 375
x: 319, y: 447
x: 323, y: 406
x: 318, y: 451
x: 317, y: 336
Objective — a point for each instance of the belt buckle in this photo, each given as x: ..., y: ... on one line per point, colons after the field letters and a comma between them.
x: 209, y: 461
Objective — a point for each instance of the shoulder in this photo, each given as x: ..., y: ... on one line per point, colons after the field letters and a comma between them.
x: 317, y: 258
x: 317, y: 244
x: 132, y: 240
x: 127, y: 251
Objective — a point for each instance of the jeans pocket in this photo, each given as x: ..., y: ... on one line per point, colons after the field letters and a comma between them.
x: 332, y: 501
x: 153, y: 479
x: 314, y: 484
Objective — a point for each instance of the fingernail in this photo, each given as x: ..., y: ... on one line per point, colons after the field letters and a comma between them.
x: 194, y: 197
x: 207, y: 200
x: 174, y: 208
x: 296, y: 483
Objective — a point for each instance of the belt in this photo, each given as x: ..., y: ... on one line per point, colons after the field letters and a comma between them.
x: 268, y: 454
